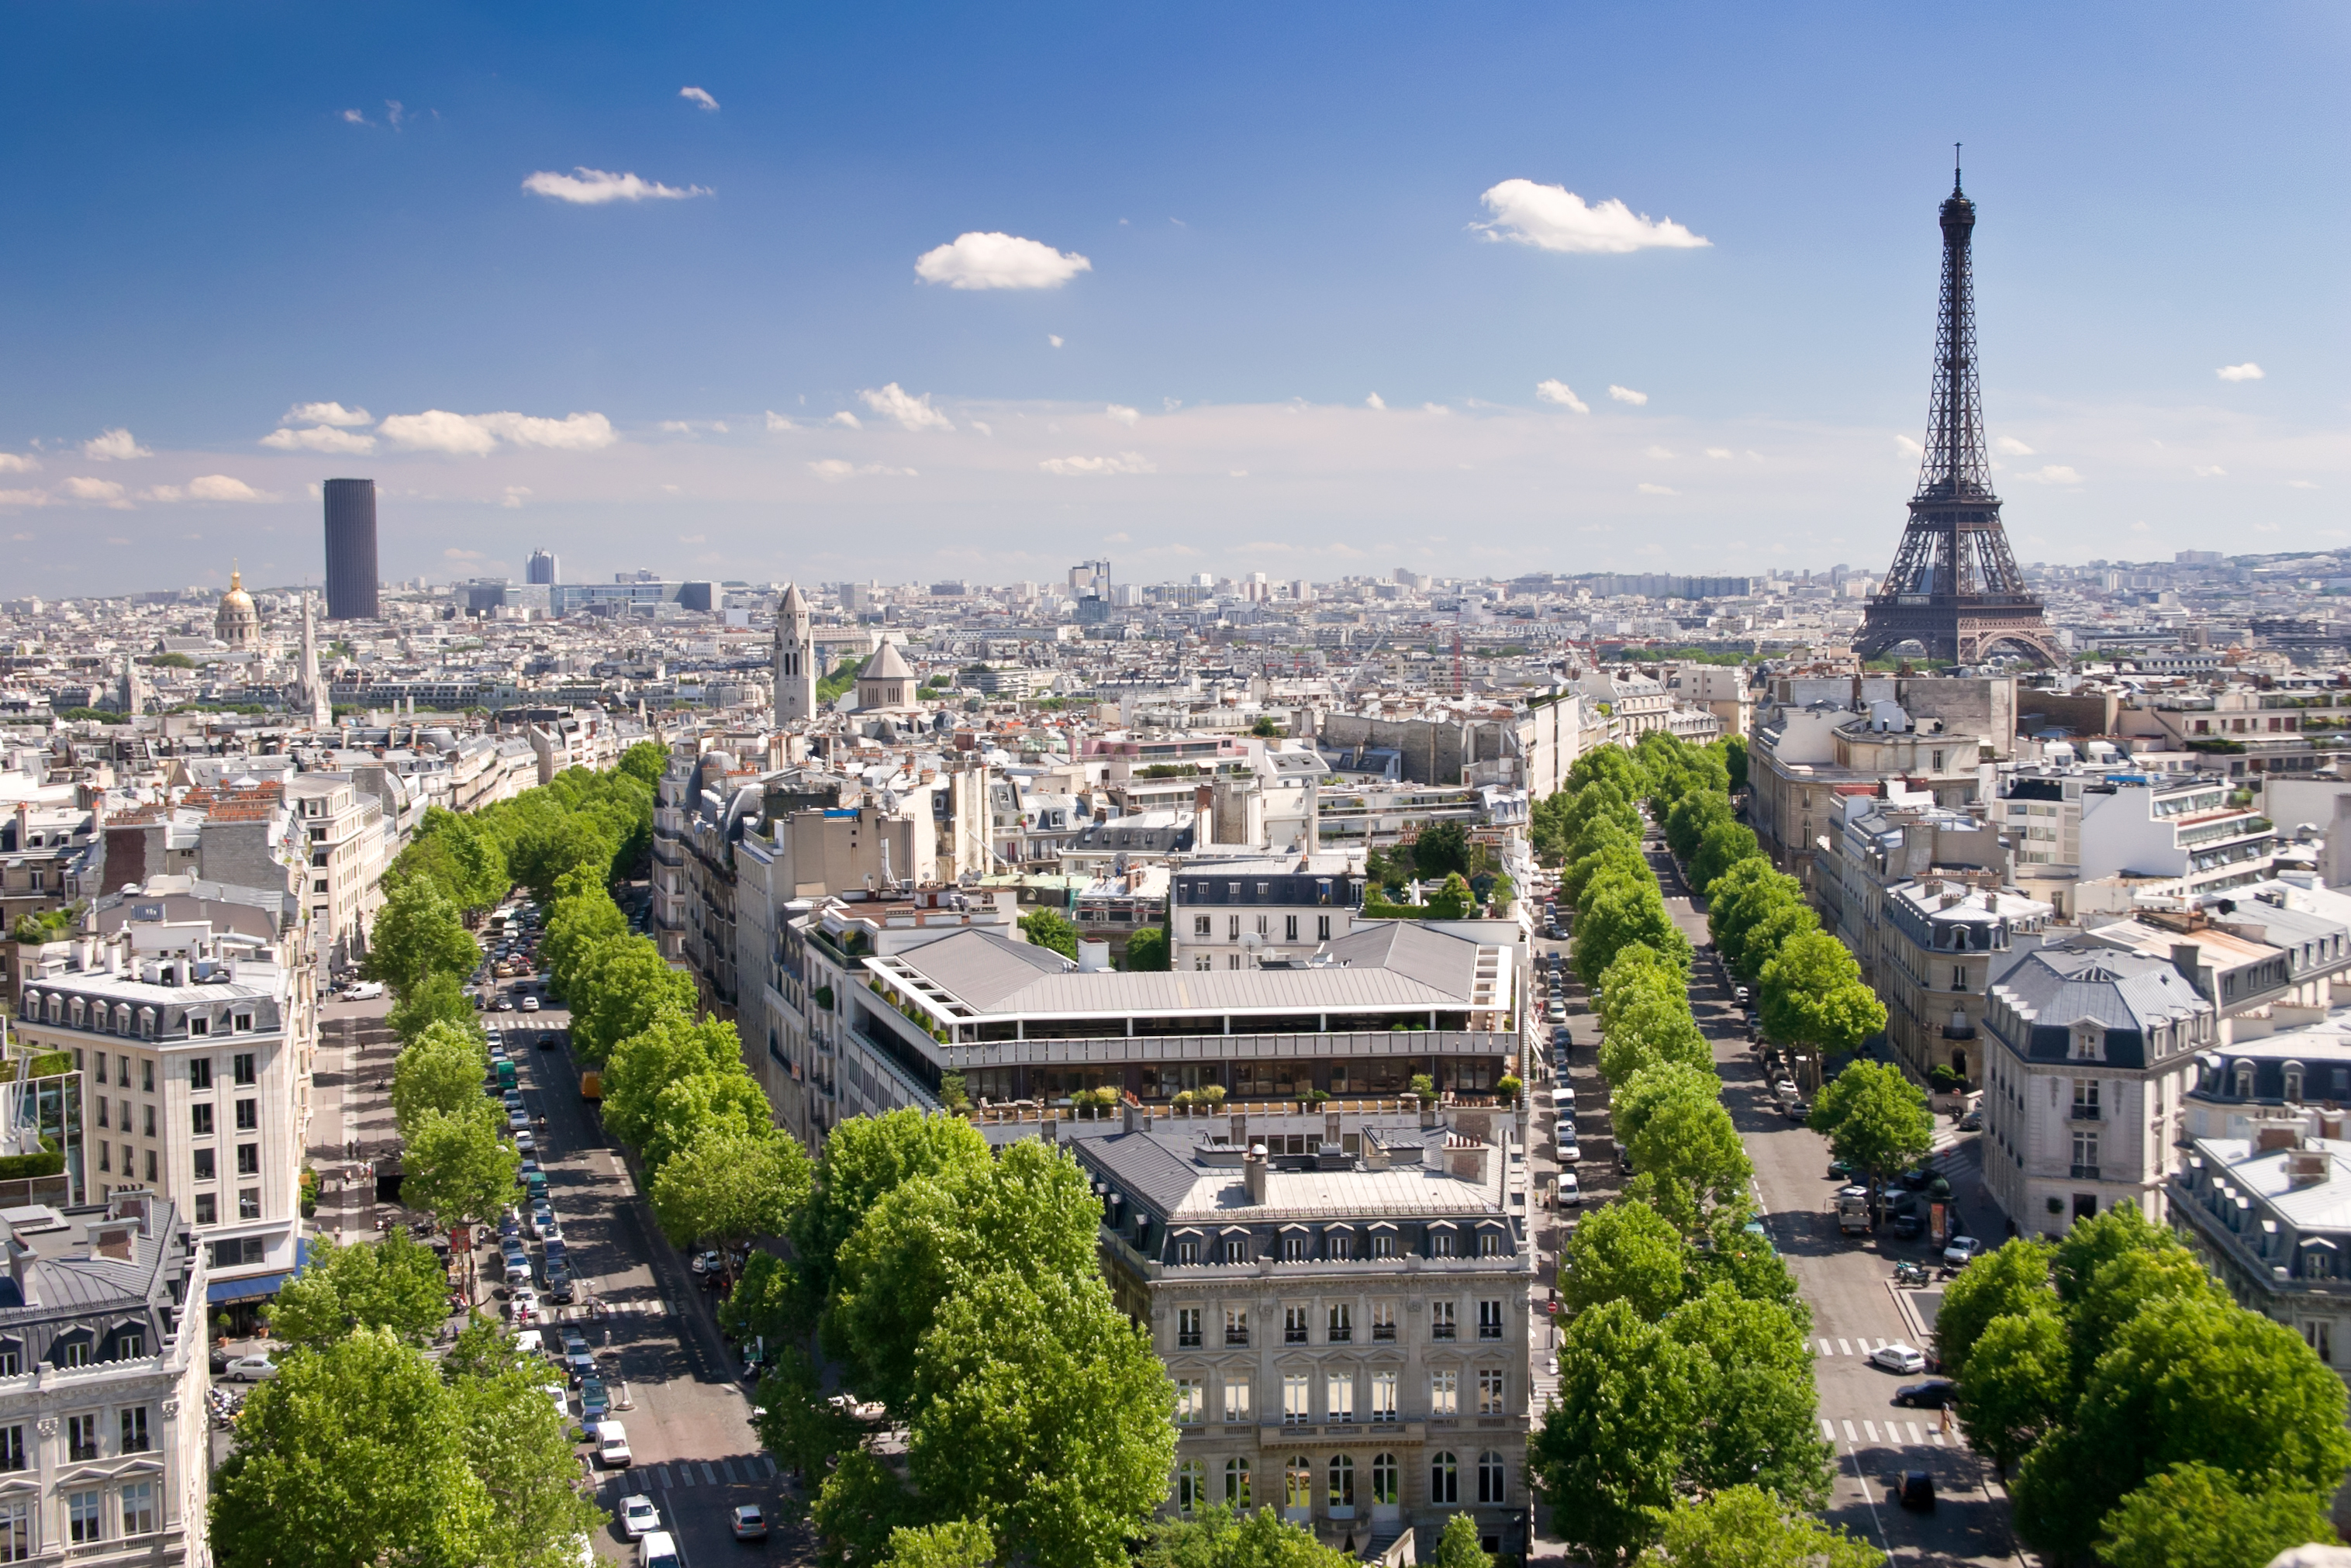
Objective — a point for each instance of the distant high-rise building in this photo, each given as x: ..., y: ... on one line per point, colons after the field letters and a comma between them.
x: 544, y: 567
x: 350, y: 550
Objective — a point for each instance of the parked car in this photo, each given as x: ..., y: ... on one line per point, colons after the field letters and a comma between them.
x: 1972, y: 1122
x: 364, y: 991
x: 707, y: 1263
x: 1571, y: 1195
x: 1740, y: 996
x: 639, y: 1516
x: 750, y: 1524
x: 1898, y: 1357
x: 1908, y: 1224
x: 612, y: 1446
x: 1918, y: 1491
x: 1571, y: 1153
x: 1962, y: 1251
x: 1931, y: 1394
x: 250, y: 1369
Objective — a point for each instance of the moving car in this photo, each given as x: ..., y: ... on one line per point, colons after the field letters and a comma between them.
x: 639, y: 1516
x: 612, y: 1446
x: 1918, y: 1491
x: 251, y: 1369
x: 1962, y: 1251
x: 1972, y: 1122
x: 1898, y: 1357
x: 595, y: 1402
x: 750, y: 1524
x: 365, y: 991
x: 658, y: 1551
x: 1932, y: 1395
x: 530, y: 1004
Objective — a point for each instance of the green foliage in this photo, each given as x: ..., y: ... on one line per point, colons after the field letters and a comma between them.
x: 623, y: 986
x: 1147, y: 951
x: 27, y: 1167
x: 1043, y: 1412
x: 392, y: 1283
x: 1611, y: 1436
x: 1671, y: 1119
x: 2019, y: 1382
x: 1624, y: 1252
x: 520, y: 1452
x: 418, y: 933
x: 1876, y: 1120
x: 1752, y: 1388
x: 1266, y: 728
x: 727, y: 1186
x: 1458, y: 1546
x: 457, y: 1166
x: 583, y: 917
x: 1748, y: 1527
x: 2197, y: 1514
x: 1442, y: 849
x: 172, y: 661
x: 958, y: 1543
x: 47, y: 924
x: 1722, y: 845
x: 797, y: 1422
x: 831, y: 687
x: 864, y: 1158
x: 439, y: 1073
x: 2012, y: 1277
x: 1617, y: 910
x: 1216, y: 1538
x: 435, y: 999
x: 860, y: 1504
x: 669, y: 1049
x: 1813, y: 995
x: 1453, y: 901
x: 1734, y: 760
x: 645, y: 762
x: 1049, y: 928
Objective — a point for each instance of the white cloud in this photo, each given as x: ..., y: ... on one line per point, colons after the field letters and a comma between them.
x: 319, y: 438
x: 1552, y: 218
x: 2248, y: 371
x: 1555, y: 390
x: 2301, y: 484
x: 114, y: 446
x: 105, y: 491
x: 474, y: 435
x: 514, y: 495
x: 2212, y: 472
x: 1657, y: 490
x: 1626, y: 394
x: 593, y: 187
x: 162, y: 493
x: 1124, y: 463
x: 695, y: 95
x: 325, y: 413
x: 1124, y: 415
x: 674, y: 427
x: 1373, y: 401
x: 1425, y: 408
x: 2140, y: 527
x: 1718, y: 452
x: 777, y: 422
x: 23, y: 498
x: 2055, y: 474
x: 849, y: 419
x: 911, y: 412
x: 222, y: 487
x: 1054, y: 338
x: 10, y: 463
x: 982, y: 426
x: 2010, y: 446
x: 1656, y: 451
x: 993, y: 260
x: 1909, y: 447
x: 834, y: 470
x: 353, y: 116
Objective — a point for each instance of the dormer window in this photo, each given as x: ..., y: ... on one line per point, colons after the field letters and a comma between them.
x: 2293, y: 1080
x: 2244, y: 1081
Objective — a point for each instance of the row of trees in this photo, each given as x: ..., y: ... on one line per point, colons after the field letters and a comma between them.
x: 2148, y: 1419
x: 1685, y: 1429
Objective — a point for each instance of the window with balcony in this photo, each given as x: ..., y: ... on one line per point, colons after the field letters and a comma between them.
x: 12, y: 1447
x: 2085, y: 1156
x: 2085, y: 1100
x: 1187, y: 1328
x: 1440, y: 1319
x: 81, y: 1436
x: 1237, y: 1325
x: 134, y: 1430
x: 1293, y: 1325
x: 82, y: 1522
x: 1342, y: 1326
x: 1383, y: 1319
x: 1489, y: 1320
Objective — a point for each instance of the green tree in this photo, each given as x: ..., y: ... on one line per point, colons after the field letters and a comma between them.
x: 1742, y: 894
x: 1617, y: 910
x: 1748, y: 1527
x: 439, y: 1074
x: 671, y: 1047
x: 348, y: 1456
x: 1458, y: 1547
x: 1624, y: 1252
x: 1734, y: 760
x: 1723, y: 845
x: 1692, y: 815
x: 458, y: 1168
x: 1875, y: 1119
x: 2197, y: 1516
x: 1216, y: 1538
x: 418, y: 933
x: 771, y: 1302
x: 728, y: 1186
x: 2011, y: 1279
x: 520, y: 1451
x: 1813, y: 995
x: 689, y: 1108
x: 645, y: 762
x: 623, y: 986
x: 1756, y: 1407
x: 797, y: 1422
x: 958, y: 1543
x: 1676, y: 1129
x: 390, y: 1283
x: 1731, y: 1254
x: 1441, y: 848
x: 1611, y: 1438
x: 865, y: 1157
x: 2190, y: 1378
x: 581, y: 921
x: 2019, y: 1384
x: 860, y: 1505
x: 1043, y: 1414
x: 1776, y: 923
x: 1452, y: 901
x: 1049, y: 928
x: 1146, y: 951
x: 436, y: 998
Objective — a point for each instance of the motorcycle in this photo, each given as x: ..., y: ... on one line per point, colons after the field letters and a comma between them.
x: 1908, y: 1273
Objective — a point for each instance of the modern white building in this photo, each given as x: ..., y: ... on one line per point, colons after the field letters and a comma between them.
x: 1240, y: 913
x: 346, y: 843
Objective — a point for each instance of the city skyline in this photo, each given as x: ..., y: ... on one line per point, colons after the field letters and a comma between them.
x: 734, y: 325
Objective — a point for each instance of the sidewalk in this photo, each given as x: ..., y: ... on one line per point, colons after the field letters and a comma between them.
x: 351, y: 1121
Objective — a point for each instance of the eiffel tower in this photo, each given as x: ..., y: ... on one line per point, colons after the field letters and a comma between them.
x: 1954, y: 588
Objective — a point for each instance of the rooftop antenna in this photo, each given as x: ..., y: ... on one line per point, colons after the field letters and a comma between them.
x: 1954, y: 168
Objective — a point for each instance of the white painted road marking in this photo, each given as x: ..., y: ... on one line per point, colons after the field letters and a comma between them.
x: 1828, y: 1433
x: 1870, y: 1428
x: 1916, y: 1436
x: 1827, y: 1349
x: 1844, y: 1349
x: 1850, y: 1434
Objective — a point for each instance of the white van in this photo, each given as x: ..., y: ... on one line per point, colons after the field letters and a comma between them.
x: 528, y: 1343
x: 658, y: 1551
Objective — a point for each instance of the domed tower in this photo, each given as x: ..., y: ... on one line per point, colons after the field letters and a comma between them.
x: 237, y: 624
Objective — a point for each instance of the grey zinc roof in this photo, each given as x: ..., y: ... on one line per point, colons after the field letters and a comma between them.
x: 2320, y: 1206
x: 989, y: 973
x: 1156, y: 1167
x: 2055, y: 988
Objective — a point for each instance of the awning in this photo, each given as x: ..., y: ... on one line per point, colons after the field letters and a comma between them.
x: 254, y: 1287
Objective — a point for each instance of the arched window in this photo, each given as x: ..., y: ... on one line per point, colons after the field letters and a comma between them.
x: 1385, y: 1489
x: 2293, y: 1080
x: 1298, y: 1482
x: 1342, y: 1480
x: 1191, y: 1487
x: 79, y: 1012
x: 1236, y: 1485
x: 1444, y: 1480
x: 146, y: 1023
x: 2244, y: 1081
x: 1492, y: 1478
x: 123, y: 1019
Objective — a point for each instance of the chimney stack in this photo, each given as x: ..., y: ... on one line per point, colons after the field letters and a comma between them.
x: 1253, y: 1173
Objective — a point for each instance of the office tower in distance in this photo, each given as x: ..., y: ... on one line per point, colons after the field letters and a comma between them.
x: 544, y: 567
x: 350, y: 550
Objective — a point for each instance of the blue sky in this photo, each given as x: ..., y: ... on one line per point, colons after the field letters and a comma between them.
x: 221, y: 216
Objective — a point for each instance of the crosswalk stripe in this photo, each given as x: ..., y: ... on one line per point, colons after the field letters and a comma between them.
x: 1850, y: 1434
x: 1870, y: 1428
x: 1825, y: 1349
x: 726, y: 1468
x: 1844, y: 1349
x: 660, y: 1476
x: 1938, y: 1436
x: 686, y: 1473
x: 1828, y: 1433
x: 708, y: 1478
x: 1916, y: 1436
x: 767, y: 1467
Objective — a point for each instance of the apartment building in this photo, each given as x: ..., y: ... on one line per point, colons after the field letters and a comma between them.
x: 344, y: 838
x: 1343, y: 1303
x: 193, y: 1022
x: 49, y: 856
x: 2173, y: 833
x: 1238, y: 913
x: 104, y: 1445
x: 2091, y: 1053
